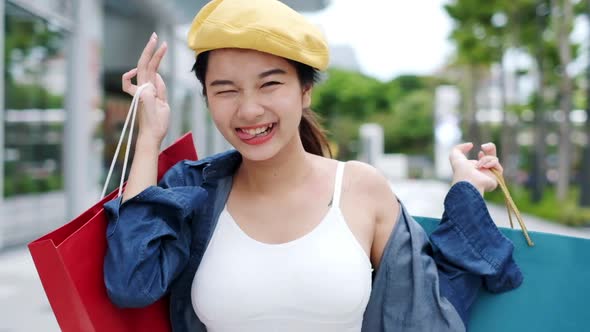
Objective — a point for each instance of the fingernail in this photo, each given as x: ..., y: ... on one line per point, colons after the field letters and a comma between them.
x: 485, y: 146
x: 154, y: 35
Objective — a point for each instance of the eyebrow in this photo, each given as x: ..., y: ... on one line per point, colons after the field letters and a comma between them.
x: 271, y: 72
x: 261, y: 75
x: 221, y: 82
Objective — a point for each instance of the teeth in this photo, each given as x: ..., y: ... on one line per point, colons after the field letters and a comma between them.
x: 256, y: 131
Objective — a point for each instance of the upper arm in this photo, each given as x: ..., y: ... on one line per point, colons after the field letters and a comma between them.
x: 387, y: 211
x: 149, y: 240
x: 381, y: 204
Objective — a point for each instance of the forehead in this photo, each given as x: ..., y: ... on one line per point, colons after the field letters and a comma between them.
x: 242, y: 61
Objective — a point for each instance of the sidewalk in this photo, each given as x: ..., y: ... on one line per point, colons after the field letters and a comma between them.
x: 425, y: 198
x: 24, y: 307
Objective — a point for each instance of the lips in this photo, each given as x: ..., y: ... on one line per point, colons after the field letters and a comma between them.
x: 256, y: 134
x: 249, y: 132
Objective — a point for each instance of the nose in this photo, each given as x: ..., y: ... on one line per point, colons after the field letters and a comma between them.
x: 249, y: 108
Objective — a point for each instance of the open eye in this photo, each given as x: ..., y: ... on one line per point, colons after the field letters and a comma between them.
x: 271, y: 83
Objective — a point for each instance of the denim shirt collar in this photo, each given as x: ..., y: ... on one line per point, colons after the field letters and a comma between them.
x: 218, y: 166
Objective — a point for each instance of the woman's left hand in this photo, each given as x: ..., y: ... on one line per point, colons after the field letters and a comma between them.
x: 477, y: 172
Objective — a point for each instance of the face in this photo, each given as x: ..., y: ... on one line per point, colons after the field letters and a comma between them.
x: 255, y: 100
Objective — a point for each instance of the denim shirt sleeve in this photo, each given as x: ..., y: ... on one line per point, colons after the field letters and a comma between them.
x: 470, y: 251
x: 406, y: 296
x: 148, y: 239
x: 429, y: 284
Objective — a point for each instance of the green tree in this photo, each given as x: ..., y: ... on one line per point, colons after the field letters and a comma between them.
x: 409, y: 128
x: 483, y: 32
x: 477, y: 48
x: 585, y: 180
x: 562, y: 15
x: 346, y: 93
x: 403, y: 106
x: 26, y: 40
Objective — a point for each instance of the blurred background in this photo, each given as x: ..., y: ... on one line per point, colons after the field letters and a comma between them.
x: 407, y: 81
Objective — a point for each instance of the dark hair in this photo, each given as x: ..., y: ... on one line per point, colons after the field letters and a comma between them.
x: 313, y: 135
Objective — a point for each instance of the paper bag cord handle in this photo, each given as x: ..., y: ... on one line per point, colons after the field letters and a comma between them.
x: 511, y: 206
x: 130, y: 115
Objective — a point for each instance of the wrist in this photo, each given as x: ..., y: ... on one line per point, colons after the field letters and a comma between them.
x: 148, y: 143
x: 480, y: 189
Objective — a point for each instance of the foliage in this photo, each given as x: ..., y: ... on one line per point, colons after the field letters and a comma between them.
x: 24, y: 96
x: 403, y: 106
x: 347, y: 93
x: 549, y: 208
x: 409, y: 128
x: 483, y: 33
x: 26, y: 184
x: 28, y: 46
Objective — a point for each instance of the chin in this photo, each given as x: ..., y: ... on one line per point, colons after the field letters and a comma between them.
x: 263, y: 151
x: 257, y: 153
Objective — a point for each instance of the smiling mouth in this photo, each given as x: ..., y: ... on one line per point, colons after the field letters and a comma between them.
x: 248, y: 133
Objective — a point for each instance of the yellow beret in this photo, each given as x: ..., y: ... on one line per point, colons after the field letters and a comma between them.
x: 264, y: 25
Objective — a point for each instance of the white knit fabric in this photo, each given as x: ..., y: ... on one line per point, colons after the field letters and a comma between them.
x: 319, y: 282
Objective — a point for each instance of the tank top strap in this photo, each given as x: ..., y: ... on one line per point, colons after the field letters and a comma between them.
x: 338, y: 185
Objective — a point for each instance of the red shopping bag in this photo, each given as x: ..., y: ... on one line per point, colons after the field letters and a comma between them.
x: 70, y: 260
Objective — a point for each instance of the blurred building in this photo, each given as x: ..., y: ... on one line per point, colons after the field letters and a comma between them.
x: 61, y: 104
x: 344, y: 57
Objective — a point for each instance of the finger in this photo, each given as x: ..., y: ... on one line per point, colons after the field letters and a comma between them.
x: 490, y: 162
x: 129, y: 87
x: 154, y: 63
x: 460, y: 151
x: 464, y: 147
x: 484, y: 160
x: 480, y: 155
x: 145, y: 58
x: 489, y: 149
x: 495, y: 164
x: 161, y: 91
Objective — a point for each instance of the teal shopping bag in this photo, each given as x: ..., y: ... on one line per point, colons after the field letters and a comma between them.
x: 555, y: 294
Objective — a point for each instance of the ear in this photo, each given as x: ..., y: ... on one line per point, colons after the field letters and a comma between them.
x: 306, y: 96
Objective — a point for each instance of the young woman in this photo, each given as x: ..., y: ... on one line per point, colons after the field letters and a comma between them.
x: 276, y: 236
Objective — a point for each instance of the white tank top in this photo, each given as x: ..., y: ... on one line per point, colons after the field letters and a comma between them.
x: 320, y: 282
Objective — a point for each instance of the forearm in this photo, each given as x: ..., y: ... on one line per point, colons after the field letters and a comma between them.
x: 144, y: 170
x: 470, y: 251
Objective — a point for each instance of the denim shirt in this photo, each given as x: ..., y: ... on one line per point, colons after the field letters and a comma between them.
x: 157, y: 239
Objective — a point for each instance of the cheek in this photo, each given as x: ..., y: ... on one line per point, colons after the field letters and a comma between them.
x: 219, y: 115
x: 220, y: 109
x: 288, y: 104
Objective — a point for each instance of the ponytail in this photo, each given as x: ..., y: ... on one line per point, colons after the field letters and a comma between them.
x: 313, y: 135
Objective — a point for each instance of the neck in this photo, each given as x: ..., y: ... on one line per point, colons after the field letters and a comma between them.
x: 282, y: 172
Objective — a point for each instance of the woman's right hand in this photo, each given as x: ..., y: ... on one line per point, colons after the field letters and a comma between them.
x: 154, y: 114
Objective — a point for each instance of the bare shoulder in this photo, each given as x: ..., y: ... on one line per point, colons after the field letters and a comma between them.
x: 368, y: 182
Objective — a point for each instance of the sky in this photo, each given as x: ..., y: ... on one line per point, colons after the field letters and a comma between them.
x: 390, y: 37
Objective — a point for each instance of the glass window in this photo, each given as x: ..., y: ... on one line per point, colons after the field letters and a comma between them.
x: 35, y: 84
